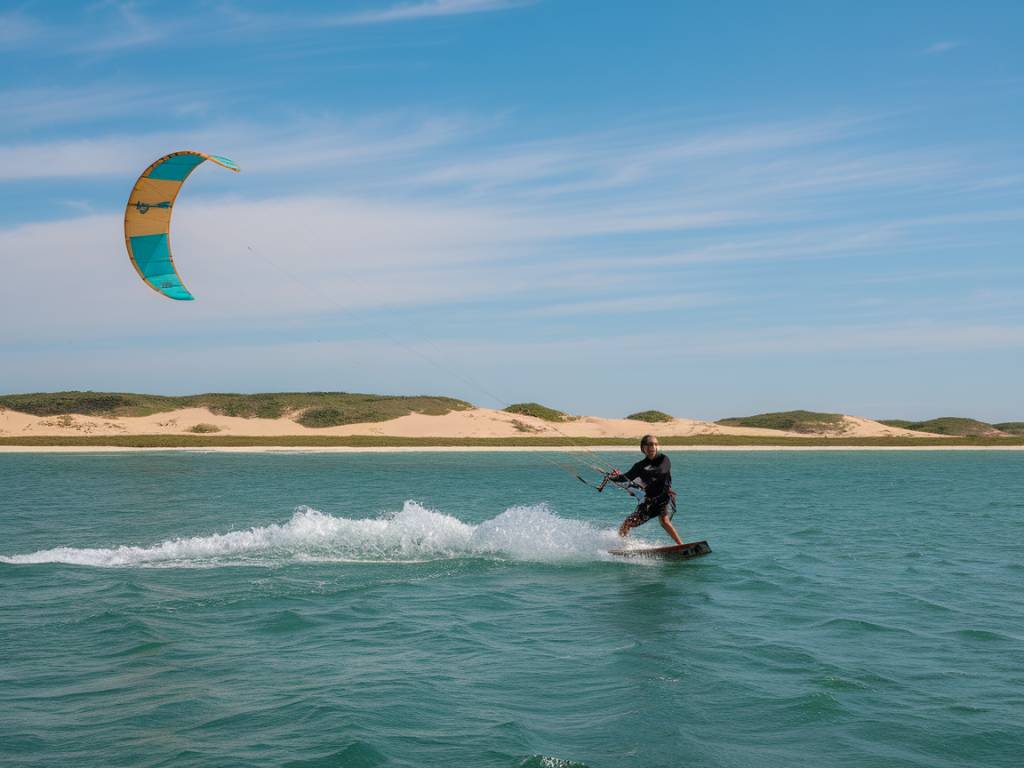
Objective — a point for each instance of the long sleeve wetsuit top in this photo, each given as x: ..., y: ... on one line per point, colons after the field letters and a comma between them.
x: 655, y: 475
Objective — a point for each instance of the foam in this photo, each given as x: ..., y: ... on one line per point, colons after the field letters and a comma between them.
x: 414, y: 534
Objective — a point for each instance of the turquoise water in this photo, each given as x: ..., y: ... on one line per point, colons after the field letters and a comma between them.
x: 859, y: 609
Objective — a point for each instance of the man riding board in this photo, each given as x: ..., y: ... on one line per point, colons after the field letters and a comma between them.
x: 653, y: 474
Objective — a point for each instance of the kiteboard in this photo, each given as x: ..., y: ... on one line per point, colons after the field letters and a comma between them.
x: 676, y: 552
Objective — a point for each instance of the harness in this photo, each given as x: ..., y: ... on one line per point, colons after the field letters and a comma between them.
x: 655, y: 502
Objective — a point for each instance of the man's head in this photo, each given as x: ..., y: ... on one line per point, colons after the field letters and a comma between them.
x: 649, y: 445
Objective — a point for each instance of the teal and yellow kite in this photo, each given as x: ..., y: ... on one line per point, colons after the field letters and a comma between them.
x: 147, y: 219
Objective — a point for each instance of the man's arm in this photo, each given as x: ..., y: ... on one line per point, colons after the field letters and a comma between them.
x: 628, y: 476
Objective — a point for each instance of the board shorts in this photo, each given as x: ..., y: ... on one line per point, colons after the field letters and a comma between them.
x: 651, y: 508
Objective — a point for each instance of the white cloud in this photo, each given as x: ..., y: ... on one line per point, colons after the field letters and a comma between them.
x: 583, y: 186
x: 267, y: 259
x: 605, y: 160
x: 74, y: 158
x: 292, y: 148
x: 639, y: 304
x: 48, y: 106
x: 424, y: 10
x: 798, y: 340
x: 18, y: 31
x: 108, y: 27
x: 943, y: 46
x: 113, y: 28
x: 129, y: 29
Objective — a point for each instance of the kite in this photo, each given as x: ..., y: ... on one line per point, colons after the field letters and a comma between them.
x: 147, y: 219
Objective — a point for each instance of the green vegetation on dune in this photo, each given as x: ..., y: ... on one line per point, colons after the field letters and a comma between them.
x: 314, y: 409
x: 204, y: 429
x: 1011, y: 427
x: 322, y: 417
x: 263, y: 406
x: 949, y: 425
x: 805, y: 422
x: 105, y: 404
x: 538, y: 411
x: 652, y: 417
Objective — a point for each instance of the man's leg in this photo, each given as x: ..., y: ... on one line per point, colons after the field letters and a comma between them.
x: 666, y: 523
x: 637, y: 518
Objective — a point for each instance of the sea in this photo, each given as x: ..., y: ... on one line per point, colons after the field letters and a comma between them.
x: 859, y: 608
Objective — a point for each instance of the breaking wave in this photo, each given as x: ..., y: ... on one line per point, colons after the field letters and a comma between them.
x: 415, y: 534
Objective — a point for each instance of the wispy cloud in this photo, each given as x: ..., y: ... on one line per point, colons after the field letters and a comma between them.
x: 301, y: 256
x: 284, y: 148
x: 114, y: 27
x: 898, y: 336
x: 944, y: 46
x: 71, y: 158
x: 125, y: 28
x: 61, y: 105
x: 425, y: 10
x: 628, y: 305
x: 601, y: 160
x: 101, y: 28
x: 18, y: 31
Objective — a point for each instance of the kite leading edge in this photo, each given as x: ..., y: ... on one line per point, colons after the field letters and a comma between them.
x: 147, y: 219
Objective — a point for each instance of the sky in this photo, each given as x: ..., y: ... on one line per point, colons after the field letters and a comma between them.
x: 709, y: 209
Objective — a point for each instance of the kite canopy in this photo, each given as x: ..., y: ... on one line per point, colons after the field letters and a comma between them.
x: 147, y: 219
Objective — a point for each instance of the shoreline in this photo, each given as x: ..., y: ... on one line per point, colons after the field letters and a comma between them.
x: 4, y: 449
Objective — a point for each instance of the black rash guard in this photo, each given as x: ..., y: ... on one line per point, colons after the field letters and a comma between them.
x: 655, y: 475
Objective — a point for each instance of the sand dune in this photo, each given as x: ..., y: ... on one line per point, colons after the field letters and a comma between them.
x: 477, y: 422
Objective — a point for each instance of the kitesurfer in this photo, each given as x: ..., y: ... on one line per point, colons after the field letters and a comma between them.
x: 652, y: 474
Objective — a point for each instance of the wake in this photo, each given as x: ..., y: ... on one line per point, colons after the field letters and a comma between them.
x: 415, y: 534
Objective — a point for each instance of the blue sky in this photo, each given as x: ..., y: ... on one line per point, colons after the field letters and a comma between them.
x: 604, y: 207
